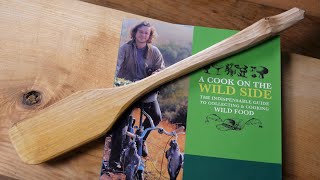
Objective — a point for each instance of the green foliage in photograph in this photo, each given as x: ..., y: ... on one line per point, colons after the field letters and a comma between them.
x: 173, y: 99
x: 173, y: 52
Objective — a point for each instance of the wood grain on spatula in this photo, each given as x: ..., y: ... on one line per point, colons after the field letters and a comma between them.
x: 89, y: 114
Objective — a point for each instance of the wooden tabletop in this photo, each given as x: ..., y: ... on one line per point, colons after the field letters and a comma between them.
x: 60, y: 47
x: 302, y: 39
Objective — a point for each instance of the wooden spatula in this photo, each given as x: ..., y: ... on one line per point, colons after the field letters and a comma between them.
x: 89, y: 114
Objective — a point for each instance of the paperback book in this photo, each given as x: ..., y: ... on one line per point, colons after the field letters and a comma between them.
x: 222, y: 121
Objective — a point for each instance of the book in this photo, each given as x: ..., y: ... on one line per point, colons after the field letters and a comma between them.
x: 231, y: 111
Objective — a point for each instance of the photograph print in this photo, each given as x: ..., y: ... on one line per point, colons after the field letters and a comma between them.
x: 147, y: 141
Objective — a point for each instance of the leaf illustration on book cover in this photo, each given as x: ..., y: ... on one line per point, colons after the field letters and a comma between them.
x: 213, y: 117
x: 255, y: 122
x: 232, y: 124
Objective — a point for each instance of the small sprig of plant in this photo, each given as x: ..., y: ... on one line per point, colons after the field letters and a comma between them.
x: 121, y: 81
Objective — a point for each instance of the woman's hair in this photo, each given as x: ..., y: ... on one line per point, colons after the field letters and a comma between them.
x: 144, y: 23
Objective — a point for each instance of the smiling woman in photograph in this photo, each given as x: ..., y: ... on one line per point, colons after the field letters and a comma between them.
x: 137, y: 59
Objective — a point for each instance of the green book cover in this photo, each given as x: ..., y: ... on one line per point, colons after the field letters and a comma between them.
x: 231, y: 111
x: 234, y: 113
